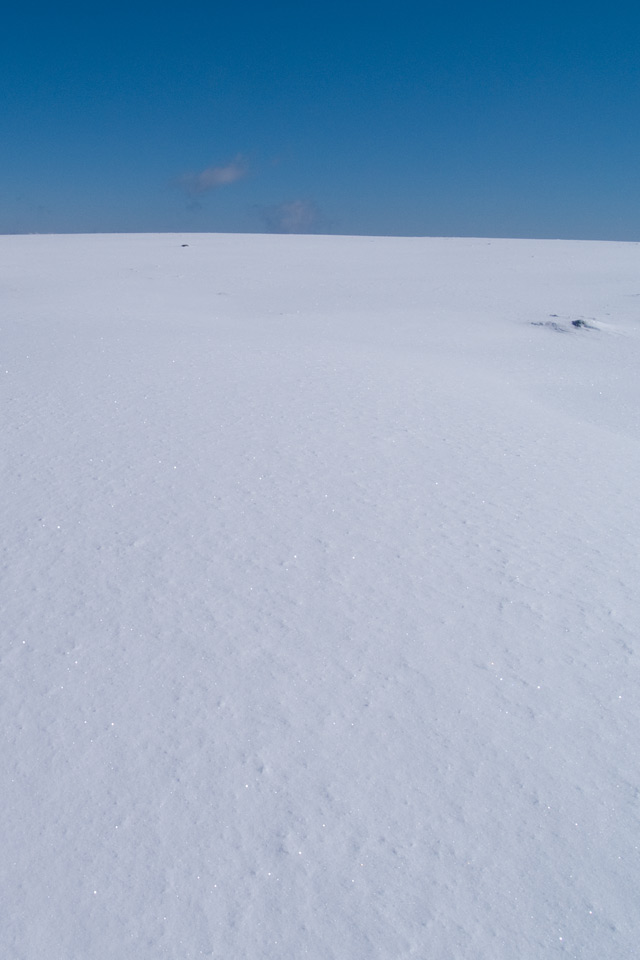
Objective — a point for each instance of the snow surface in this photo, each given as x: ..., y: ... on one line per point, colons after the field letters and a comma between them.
x: 320, y: 598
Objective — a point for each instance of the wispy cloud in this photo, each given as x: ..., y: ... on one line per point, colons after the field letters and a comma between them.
x: 295, y: 216
x: 195, y: 184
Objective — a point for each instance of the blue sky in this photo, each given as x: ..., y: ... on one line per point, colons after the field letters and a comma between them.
x: 390, y: 119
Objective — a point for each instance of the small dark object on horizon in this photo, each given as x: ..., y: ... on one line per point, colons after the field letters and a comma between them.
x: 184, y: 244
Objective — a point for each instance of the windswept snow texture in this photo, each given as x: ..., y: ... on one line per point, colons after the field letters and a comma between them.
x: 320, y: 580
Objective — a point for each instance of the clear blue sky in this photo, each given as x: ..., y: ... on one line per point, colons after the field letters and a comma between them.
x: 440, y: 119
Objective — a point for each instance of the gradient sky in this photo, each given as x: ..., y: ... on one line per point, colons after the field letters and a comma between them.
x: 475, y: 119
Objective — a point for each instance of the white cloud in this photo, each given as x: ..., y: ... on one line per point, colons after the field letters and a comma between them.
x: 213, y: 177
x: 296, y: 216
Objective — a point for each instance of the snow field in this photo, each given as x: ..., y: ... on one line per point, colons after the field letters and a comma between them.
x: 320, y: 610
